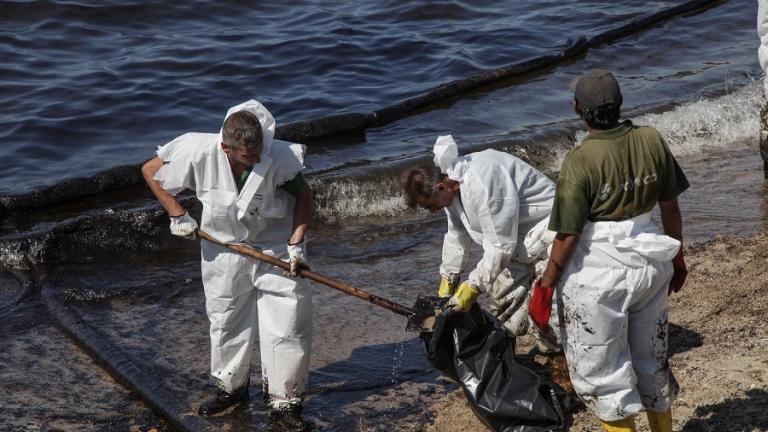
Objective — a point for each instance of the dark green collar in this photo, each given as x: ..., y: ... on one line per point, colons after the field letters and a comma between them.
x: 608, y: 134
x: 243, y: 177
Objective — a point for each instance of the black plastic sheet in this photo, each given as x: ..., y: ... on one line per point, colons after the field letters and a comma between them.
x: 473, y: 350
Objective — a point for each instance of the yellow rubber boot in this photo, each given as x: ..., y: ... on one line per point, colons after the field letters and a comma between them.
x: 660, y: 421
x: 623, y: 425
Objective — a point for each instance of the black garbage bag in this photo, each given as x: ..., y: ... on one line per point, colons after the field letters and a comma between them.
x: 473, y: 350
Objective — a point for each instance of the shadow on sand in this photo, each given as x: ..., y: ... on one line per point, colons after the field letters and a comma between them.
x: 682, y: 339
x: 743, y: 414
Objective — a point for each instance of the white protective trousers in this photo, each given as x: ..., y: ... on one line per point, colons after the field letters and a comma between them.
x: 762, y: 32
x: 246, y: 300
x: 614, y: 297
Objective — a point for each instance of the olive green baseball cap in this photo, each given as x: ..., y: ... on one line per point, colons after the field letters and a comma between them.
x: 595, y: 88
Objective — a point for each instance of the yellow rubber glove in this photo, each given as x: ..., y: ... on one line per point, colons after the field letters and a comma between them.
x: 463, y: 298
x: 447, y: 287
x: 623, y: 425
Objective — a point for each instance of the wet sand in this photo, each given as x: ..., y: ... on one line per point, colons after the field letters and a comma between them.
x: 718, y: 346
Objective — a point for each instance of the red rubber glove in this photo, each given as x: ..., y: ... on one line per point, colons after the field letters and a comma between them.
x: 540, y: 306
x: 681, y: 272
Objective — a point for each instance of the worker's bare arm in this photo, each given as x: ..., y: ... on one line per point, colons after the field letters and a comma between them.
x: 168, y: 201
x: 302, y: 214
x: 671, y: 219
x: 562, y: 250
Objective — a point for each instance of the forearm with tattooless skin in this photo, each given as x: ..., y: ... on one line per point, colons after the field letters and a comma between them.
x: 672, y: 219
x: 168, y: 201
x: 302, y: 214
x: 562, y: 251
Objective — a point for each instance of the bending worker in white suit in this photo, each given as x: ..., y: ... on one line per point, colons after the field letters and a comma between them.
x: 493, y: 199
x: 612, y: 266
x: 253, y: 192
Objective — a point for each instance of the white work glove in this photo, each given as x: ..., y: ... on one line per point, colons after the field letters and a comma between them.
x: 184, y: 226
x: 297, y: 259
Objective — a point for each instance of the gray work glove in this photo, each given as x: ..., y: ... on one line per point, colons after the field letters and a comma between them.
x: 509, y: 294
x: 297, y: 259
x: 184, y: 226
x: 512, y: 312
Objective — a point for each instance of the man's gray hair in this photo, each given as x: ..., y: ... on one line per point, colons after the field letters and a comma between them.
x: 242, y: 128
x: 420, y: 181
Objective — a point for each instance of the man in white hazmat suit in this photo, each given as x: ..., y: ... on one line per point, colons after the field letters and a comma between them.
x: 497, y: 201
x: 762, y: 54
x: 253, y: 192
x: 611, y: 265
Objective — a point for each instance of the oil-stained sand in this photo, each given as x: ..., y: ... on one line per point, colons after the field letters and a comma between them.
x: 718, y: 346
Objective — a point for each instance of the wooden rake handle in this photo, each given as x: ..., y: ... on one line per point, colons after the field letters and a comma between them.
x: 333, y: 283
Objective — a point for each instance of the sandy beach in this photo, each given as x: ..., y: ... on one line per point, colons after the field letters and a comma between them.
x: 718, y: 346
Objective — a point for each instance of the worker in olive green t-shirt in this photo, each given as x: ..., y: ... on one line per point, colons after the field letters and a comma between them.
x: 611, y: 264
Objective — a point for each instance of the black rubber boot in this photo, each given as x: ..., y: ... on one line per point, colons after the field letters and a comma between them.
x: 222, y: 401
x: 287, y: 419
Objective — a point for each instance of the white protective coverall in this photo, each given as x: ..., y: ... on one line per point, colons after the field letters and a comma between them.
x: 500, y: 202
x: 244, y: 296
x: 613, y: 290
x: 762, y: 54
x: 762, y: 31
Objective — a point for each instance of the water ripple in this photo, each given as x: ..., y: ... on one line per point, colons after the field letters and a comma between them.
x: 84, y: 76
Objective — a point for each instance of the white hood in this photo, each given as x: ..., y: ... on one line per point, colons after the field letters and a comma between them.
x: 265, y: 118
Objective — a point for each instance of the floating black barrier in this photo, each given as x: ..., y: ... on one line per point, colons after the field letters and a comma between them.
x: 323, y: 127
x: 116, y: 178
x: 446, y: 91
x: 123, y: 369
x: 646, y: 21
